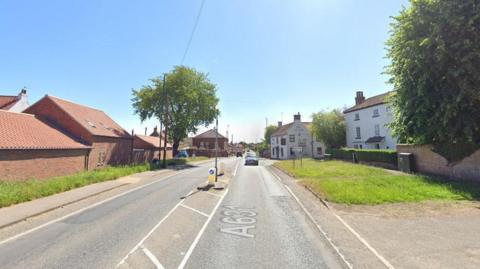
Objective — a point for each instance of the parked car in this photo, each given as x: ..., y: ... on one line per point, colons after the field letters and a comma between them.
x: 251, y: 159
x: 182, y: 154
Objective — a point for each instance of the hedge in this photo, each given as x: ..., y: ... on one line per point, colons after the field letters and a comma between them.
x: 366, y: 155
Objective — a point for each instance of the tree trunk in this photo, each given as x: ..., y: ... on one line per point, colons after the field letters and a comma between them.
x: 176, y: 144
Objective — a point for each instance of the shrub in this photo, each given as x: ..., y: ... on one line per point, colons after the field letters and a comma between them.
x: 366, y: 155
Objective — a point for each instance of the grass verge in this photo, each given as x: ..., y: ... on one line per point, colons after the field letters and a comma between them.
x: 348, y: 183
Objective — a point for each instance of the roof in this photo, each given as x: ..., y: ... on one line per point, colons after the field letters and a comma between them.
x: 375, y: 139
x: 25, y: 131
x: 210, y: 134
x: 154, y: 141
x: 282, y: 130
x: 93, y: 120
x: 6, y: 102
x: 369, y: 102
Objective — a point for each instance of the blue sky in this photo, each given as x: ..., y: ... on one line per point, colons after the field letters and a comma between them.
x: 268, y: 58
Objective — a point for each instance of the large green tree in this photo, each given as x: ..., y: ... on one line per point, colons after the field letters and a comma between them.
x: 329, y: 127
x: 434, y: 50
x: 269, y: 130
x: 190, y: 98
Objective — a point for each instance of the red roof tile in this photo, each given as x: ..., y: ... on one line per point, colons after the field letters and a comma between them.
x: 93, y: 120
x: 372, y: 101
x: 7, y: 102
x: 152, y: 140
x: 25, y: 131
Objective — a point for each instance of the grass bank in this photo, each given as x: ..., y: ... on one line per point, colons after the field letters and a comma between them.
x: 22, y: 191
x: 343, y: 182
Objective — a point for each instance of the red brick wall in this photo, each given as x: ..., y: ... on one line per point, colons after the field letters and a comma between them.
x: 40, y: 164
x: 222, y: 143
x: 147, y: 155
x: 427, y: 161
x: 49, y: 112
x: 109, y: 151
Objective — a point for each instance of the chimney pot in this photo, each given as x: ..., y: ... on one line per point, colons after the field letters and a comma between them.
x: 280, y: 124
x: 359, y: 98
x: 297, y: 117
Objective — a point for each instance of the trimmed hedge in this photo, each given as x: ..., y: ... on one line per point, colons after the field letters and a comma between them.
x: 366, y: 155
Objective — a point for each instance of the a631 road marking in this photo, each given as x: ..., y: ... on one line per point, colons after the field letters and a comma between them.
x: 242, y: 218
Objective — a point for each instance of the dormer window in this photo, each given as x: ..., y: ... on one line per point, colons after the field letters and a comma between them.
x: 91, y: 124
x: 357, y: 116
x: 375, y: 113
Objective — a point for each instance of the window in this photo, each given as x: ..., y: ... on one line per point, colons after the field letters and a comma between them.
x: 388, y: 109
x: 357, y: 116
x: 292, y: 138
x: 377, y: 146
x: 358, y: 133
x: 361, y: 147
x: 377, y: 130
x: 281, y: 152
x: 375, y: 112
x: 319, y: 151
x: 284, y: 141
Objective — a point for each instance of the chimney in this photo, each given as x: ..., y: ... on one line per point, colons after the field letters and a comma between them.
x: 23, y: 91
x: 297, y: 117
x: 145, y: 130
x: 359, y: 98
x: 155, y: 132
x: 280, y: 124
x: 133, y: 132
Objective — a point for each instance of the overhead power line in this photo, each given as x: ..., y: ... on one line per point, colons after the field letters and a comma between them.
x: 193, y: 31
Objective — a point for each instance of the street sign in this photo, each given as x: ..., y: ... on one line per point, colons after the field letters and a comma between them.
x: 211, y: 175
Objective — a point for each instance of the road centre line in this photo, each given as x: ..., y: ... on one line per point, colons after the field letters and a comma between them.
x: 195, y: 210
x: 236, y: 168
x: 86, y: 208
x: 152, y: 257
x: 151, y: 232
x: 197, y: 239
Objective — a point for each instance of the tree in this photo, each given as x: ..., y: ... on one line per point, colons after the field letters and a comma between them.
x: 269, y: 130
x: 329, y: 127
x: 434, y: 50
x: 191, y: 102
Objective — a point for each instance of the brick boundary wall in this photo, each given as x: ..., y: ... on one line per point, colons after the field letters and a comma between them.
x: 18, y: 165
x: 427, y: 161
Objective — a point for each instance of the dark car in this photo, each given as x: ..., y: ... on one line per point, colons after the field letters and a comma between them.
x: 251, y: 159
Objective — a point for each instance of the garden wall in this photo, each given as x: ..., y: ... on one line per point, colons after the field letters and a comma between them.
x: 427, y: 161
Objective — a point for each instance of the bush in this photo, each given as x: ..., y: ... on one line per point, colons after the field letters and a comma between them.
x: 366, y: 155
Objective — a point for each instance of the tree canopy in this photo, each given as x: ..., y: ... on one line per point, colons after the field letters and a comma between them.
x: 329, y: 127
x: 191, y: 99
x: 434, y: 50
x: 269, y: 130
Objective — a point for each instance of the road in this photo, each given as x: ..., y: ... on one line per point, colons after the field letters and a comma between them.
x: 255, y: 223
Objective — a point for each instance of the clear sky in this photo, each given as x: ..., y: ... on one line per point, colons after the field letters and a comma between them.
x: 268, y: 58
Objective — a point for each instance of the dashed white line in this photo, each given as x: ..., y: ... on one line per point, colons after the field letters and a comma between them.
x: 236, y: 168
x: 197, y: 239
x: 152, y: 257
x: 85, y: 208
x: 195, y: 210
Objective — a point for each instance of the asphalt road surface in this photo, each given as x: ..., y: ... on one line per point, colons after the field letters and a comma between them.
x: 255, y: 223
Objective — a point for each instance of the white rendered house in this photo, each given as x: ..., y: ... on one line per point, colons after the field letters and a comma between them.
x: 367, y: 123
x: 294, y: 140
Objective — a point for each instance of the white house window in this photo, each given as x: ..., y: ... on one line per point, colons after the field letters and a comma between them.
x: 358, y: 133
x: 292, y: 138
x: 375, y: 112
x: 387, y: 109
x: 377, y: 130
x: 357, y: 116
x: 283, y: 141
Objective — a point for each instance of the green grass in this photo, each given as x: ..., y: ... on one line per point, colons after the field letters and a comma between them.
x: 14, y: 192
x: 343, y: 182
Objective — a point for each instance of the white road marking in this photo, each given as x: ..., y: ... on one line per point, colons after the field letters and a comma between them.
x: 151, y: 232
x: 337, y: 250
x: 236, y: 168
x: 195, y: 210
x: 359, y: 237
x: 85, y: 208
x: 152, y: 258
x: 197, y: 239
x: 214, y: 194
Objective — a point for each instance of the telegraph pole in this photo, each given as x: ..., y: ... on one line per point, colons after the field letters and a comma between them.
x: 216, y: 150
x: 165, y: 105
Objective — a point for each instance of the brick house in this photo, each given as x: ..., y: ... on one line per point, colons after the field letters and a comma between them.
x: 15, y: 103
x: 205, y: 144
x: 146, y: 148
x: 30, y: 148
x: 110, y: 143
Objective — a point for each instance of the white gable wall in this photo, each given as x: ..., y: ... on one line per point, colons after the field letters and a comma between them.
x: 367, y: 124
